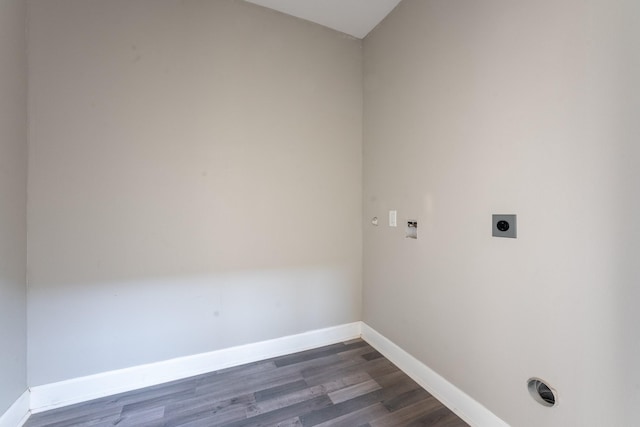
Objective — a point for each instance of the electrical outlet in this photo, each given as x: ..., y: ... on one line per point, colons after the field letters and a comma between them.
x: 504, y: 226
x: 393, y: 218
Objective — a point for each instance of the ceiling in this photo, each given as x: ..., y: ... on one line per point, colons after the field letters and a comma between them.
x: 353, y: 17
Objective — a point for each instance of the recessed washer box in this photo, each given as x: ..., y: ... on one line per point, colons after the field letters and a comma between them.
x: 504, y: 226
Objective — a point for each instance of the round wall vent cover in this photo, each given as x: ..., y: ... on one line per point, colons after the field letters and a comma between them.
x: 542, y: 392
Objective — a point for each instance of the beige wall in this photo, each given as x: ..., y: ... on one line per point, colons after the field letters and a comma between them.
x: 195, y: 183
x: 474, y: 108
x: 13, y: 205
x: 195, y: 180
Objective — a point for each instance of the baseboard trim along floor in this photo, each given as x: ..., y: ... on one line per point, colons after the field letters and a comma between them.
x: 18, y: 413
x: 452, y: 397
x: 63, y: 393
x: 76, y: 390
x: 346, y: 384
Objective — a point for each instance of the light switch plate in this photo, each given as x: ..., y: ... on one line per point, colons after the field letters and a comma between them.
x: 504, y: 226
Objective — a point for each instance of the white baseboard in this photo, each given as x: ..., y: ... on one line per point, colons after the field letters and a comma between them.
x: 455, y: 399
x: 63, y: 393
x: 18, y: 413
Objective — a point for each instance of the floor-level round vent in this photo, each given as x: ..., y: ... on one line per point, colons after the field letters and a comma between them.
x: 542, y: 392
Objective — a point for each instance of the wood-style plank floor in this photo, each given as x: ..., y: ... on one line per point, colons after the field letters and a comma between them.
x: 347, y: 384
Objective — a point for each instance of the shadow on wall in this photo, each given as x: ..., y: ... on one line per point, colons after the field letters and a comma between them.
x: 83, y: 329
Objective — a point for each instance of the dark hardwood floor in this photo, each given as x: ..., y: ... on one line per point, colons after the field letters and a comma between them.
x: 346, y: 384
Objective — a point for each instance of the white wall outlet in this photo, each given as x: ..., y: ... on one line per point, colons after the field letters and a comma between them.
x: 393, y: 218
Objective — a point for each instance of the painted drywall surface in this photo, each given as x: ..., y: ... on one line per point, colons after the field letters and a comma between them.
x: 13, y: 204
x: 195, y: 180
x: 530, y: 108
